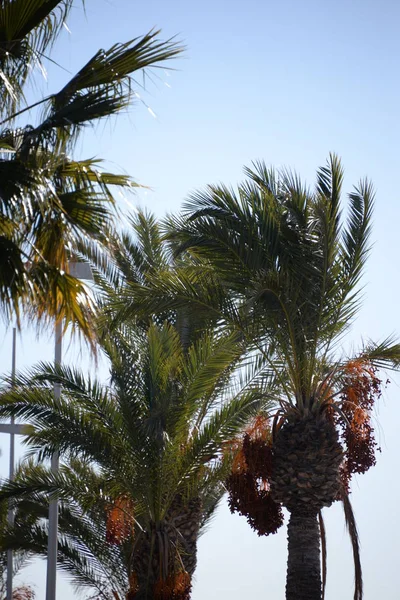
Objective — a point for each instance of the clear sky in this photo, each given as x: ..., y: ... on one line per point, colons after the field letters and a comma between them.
x: 285, y: 81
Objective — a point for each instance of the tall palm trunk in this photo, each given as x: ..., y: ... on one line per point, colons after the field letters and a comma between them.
x: 303, y: 580
x: 165, y: 558
x: 307, y: 459
x: 155, y: 575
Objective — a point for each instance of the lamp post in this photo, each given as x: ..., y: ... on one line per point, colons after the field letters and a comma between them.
x: 51, y: 574
x: 10, y: 513
x: 79, y: 270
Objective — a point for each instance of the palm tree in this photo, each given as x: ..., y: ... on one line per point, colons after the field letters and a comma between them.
x: 293, y: 272
x: 50, y: 204
x: 143, y: 456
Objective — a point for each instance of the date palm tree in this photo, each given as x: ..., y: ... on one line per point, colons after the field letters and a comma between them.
x: 143, y: 462
x: 143, y: 456
x: 293, y: 271
x: 51, y: 205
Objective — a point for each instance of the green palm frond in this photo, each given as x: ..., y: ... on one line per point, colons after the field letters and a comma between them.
x: 196, y: 292
x: 357, y: 233
x: 42, y: 19
x: 117, y: 64
x: 150, y: 251
x: 220, y: 428
x: 85, y: 499
x: 355, y: 543
x: 82, y: 550
x: 73, y: 558
x: 383, y: 355
x: 28, y: 28
x: 208, y: 361
x: 103, y: 87
x: 58, y: 127
x: 86, y: 173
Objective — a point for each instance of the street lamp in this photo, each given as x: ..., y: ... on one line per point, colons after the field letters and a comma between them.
x: 79, y: 270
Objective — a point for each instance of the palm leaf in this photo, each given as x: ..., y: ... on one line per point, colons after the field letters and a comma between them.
x: 27, y: 29
x: 352, y: 528
x: 103, y: 87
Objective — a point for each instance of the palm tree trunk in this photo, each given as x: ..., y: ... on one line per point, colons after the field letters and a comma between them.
x: 303, y: 580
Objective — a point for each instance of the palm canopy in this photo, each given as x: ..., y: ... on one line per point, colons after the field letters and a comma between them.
x: 293, y: 266
x: 148, y: 446
x: 50, y: 204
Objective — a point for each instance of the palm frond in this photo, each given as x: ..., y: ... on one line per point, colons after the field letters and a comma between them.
x: 28, y: 28
x: 352, y: 529
x: 383, y: 355
x: 103, y: 87
x: 221, y: 427
x: 357, y: 233
x: 56, y: 294
x: 106, y: 68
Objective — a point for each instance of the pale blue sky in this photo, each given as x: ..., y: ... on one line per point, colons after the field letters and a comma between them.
x: 287, y: 82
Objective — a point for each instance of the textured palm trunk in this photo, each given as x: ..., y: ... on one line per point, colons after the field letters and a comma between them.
x: 146, y: 570
x: 171, y: 550
x: 303, y: 580
x: 306, y: 469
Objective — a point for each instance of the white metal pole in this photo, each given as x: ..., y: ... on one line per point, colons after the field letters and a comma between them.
x: 53, y: 508
x: 80, y: 270
x: 10, y: 514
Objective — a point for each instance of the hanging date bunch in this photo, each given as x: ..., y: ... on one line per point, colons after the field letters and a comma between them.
x: 362, y: 388
x: 248, y: 484
x: 120, y: 521
x: 176, y: 586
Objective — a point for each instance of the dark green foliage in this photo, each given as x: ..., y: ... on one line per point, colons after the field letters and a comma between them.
x: 54, y: 209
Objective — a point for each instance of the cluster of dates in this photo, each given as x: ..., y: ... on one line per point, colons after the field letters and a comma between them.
x: 248, y: 484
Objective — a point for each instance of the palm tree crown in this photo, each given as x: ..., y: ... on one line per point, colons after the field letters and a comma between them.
x: 51, y: 205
